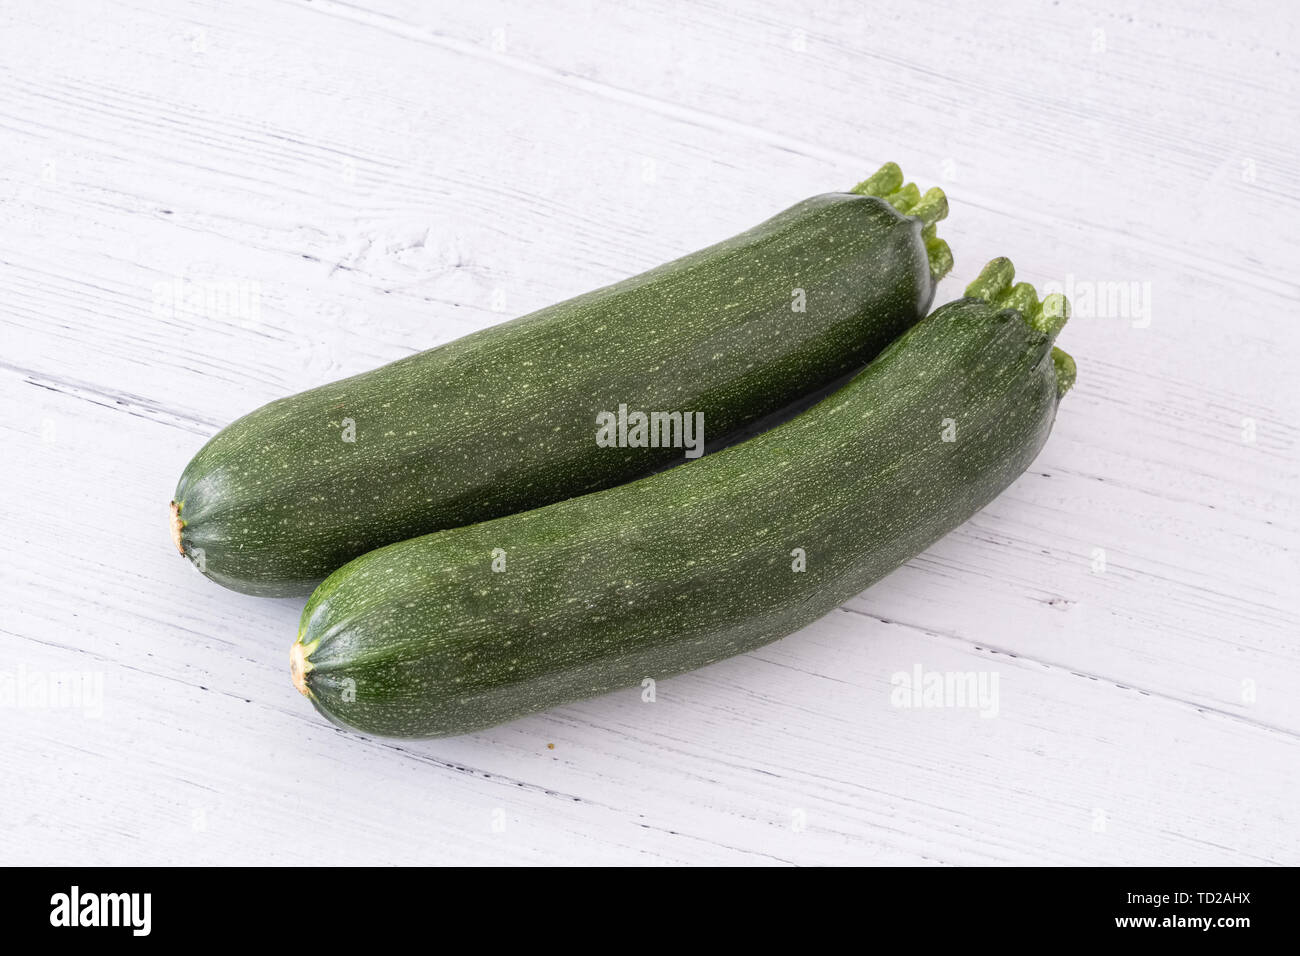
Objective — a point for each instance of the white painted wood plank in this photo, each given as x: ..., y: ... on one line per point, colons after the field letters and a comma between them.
x: 382, y: 176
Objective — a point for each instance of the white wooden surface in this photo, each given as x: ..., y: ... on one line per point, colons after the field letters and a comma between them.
x: 388, y: 176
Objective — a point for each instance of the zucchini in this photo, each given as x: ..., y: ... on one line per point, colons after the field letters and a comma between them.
x: 467, y: 628
x: 505, y: 419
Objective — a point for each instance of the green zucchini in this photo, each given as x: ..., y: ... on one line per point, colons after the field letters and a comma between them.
x: 505, y: 420
x: 463, y: 629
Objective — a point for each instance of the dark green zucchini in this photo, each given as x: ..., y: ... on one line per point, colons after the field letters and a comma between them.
x: 506, y: 419
x: 467, y: 628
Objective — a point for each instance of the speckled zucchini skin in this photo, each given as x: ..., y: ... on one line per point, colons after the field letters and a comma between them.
x: 505, y: 419
x: 693, y: 564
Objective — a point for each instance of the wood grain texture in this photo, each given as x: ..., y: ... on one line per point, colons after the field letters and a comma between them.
x: 377, y: 178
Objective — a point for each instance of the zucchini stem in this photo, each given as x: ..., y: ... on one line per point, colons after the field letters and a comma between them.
x: 932, y: 207
x: 887, y: 184
x: 993, y: 281
x: 940, y: 257
x: 885, y: 180
x: 994, y: 286
x: 905, y: 199
x: 1065, y: 371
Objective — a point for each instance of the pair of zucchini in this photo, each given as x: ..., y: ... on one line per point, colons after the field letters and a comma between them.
x: 543, y: 589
